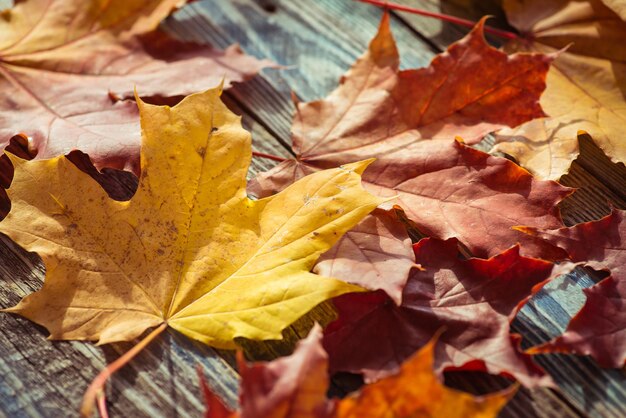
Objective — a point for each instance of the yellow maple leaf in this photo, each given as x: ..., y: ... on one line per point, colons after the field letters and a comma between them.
x: 190, y: 249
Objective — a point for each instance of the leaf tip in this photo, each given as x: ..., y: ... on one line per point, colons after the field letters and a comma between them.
x: 359, y: 166
x: 140, y: 103
x: 383, y: 47
x: 220, y: 86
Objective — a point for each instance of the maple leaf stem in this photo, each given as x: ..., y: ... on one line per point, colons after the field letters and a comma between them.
x: 268, y: 156
x: 440, y: 16
x: 95, y: 392
x: 102, y: 404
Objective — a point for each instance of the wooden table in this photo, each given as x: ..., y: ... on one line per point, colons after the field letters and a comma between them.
x: 317, y: 40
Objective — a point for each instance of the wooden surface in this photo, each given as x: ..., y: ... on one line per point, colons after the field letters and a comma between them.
x: 317, y: 40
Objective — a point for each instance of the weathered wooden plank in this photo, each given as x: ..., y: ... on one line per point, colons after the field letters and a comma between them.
x: 597, y: 392
x: 606, y: 178
x: 441, y: 34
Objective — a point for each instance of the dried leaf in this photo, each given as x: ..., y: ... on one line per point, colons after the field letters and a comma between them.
x: 190, y: 249
x: 293, y: 386
x: 446, y: 188
x: 375, y: 254
x: 598, y: 329
x: 66, y: 68
x: 296, y: 386
x: 468, y: 91
x: 585, y: 85
x: 451, y: 190
x: 473, y: 300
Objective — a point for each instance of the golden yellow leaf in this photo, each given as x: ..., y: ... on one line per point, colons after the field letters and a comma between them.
x: 190, y: 249
x: 585, y: 85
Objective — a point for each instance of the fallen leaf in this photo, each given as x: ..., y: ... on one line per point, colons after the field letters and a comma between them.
x: 599, y: 328
x: 473, y: 300
x: 295, y: 386
x: 451, y: 190
x: 400, y: 117
x: 189, y: 249
x: 585, y: 85
x: 67, y: 68
x: 468, y: 91
x: 375, y: 254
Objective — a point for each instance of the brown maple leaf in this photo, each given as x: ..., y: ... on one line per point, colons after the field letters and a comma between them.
x: 67, y: 68
x: 295, y: 387
x: 585, y: 85
x: 473, y: 300
x: 599, y: 328
x: 400, y: 118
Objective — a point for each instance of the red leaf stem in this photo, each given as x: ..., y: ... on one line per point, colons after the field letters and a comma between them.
x: 102, y: 404
x: 440, y: 16
x: 268, y: 156
x: 95, y: 392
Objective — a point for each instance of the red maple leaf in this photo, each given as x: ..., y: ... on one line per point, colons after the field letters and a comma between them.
x: 408, y: 119
x: 473, y: 300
